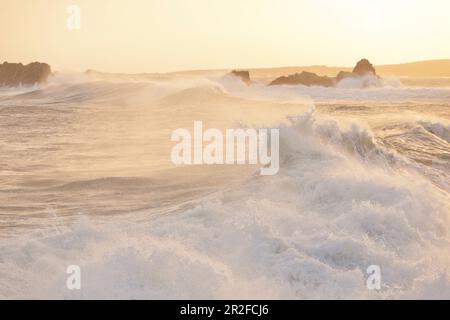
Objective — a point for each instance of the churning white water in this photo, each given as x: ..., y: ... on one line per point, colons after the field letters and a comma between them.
x: 87, y: 180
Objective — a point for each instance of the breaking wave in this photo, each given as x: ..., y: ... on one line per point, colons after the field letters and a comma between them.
x: 346, y: 198
x: 442, y: 130
x: 336, y: 207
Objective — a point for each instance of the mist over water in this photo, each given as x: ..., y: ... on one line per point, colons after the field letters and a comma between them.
x: 87, y: 179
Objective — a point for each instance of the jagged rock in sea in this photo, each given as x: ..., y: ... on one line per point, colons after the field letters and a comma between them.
x: 304, y: 78
x: 363, y: 74
x: 242, y: 74
x: 363, y: 70
x: 14, y: 74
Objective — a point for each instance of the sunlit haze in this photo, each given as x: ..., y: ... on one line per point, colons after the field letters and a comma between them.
x: 169, y: 35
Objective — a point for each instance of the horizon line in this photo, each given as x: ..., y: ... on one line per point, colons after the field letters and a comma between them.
x: 238, y: 68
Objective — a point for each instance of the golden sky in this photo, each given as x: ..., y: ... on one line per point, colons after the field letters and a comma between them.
x: 169, y: 35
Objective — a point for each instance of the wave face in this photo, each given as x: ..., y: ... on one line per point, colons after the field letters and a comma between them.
x: 364, y: 180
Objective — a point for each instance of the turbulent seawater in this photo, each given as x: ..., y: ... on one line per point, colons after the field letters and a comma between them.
x: 87, y: 180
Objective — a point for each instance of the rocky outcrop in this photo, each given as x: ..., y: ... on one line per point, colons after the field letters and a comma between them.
x: 304, y: 78
x: 363, y: 70
x: 242, y: 74
x: 14, y: 74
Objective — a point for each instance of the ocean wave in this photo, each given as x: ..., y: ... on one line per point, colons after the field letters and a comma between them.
x: 439, y: 129
x: 336, y: 207
x: 81, y: 88
x: 68, y: 89
x: 385, y: 90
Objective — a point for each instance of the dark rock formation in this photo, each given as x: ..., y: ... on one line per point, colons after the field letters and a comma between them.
x: 362, y: 70
x: 304, y: 78
x: 243, y: 75
x: 14, y: 74
x: 343, y: 75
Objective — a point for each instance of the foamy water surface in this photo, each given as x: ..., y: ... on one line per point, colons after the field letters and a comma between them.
x: 87, y: 179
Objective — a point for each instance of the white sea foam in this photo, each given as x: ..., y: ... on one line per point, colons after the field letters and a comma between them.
x: 337, y: 206
x: 385, y: 90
